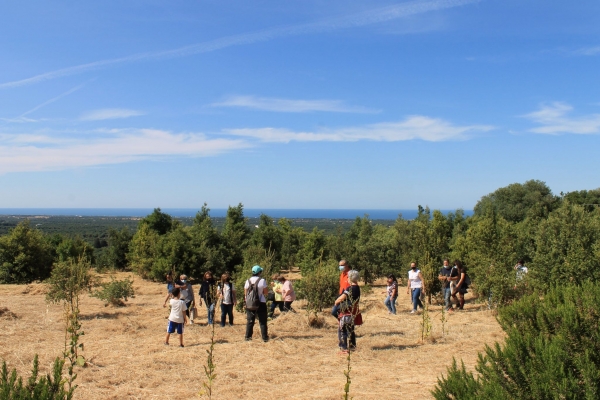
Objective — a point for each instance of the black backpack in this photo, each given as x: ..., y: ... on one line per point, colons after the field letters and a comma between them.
x: 252, y: 295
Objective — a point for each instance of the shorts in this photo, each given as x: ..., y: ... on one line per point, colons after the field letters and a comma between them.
x: 175, y: 326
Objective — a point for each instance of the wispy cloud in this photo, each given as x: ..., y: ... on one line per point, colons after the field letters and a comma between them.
x: 290, y: 105
x: 34, y: 152
x: 52, y: 100
x: 554, y: 119
x: 370, y: 17
x: 109, y: 113
x: 587, y: 51
x: 413, y: 127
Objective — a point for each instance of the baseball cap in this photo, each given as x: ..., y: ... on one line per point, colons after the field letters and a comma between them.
x: 256, y: 269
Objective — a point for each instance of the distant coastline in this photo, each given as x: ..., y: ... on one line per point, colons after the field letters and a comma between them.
x: 220, y: 212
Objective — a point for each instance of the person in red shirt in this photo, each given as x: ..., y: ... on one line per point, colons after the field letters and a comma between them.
x: 344, y: 269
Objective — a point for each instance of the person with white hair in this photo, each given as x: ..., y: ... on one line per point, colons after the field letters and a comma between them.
x: 348, y: 306
x: 187, y: 295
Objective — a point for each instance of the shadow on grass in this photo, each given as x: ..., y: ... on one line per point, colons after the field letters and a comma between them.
x: 393, y: 347
x: 391, y: 333
x: 99, y: 315
x: 300, y: 337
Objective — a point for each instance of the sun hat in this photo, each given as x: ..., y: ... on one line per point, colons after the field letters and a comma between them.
x: 257, y: 269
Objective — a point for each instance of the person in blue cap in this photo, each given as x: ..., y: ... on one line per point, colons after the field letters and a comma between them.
x: 256, y: 285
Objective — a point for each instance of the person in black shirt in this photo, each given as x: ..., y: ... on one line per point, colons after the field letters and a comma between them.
x: 208, y: 293
x: 348, y: 306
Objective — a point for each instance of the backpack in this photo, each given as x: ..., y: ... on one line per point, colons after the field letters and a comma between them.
x: 467, y: 281
x: 252, y: 295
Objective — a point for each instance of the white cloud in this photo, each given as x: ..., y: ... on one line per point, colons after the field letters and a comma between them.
x: 587, y: 51
x: 32, y: 152
x: 370, y: 17
x: 290, y: 105
x: 109, y: 113
x: 554, y: 119
x: 413, y: 127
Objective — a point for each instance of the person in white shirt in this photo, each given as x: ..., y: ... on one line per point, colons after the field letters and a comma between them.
x: 226, y: 294
x: 416, y: 286
x: 261, y: 312
x: 177, y: 317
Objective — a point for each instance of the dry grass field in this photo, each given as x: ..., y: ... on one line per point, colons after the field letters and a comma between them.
x: 128, y: 360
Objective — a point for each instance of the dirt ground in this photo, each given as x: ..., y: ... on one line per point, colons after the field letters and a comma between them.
x: 128, y: 360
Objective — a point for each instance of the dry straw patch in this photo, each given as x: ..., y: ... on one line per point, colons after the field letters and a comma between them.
x: 127, y: 359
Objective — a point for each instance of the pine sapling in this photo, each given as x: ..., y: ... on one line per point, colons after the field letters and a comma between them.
x: 425, y: 323
x: 210, y: 367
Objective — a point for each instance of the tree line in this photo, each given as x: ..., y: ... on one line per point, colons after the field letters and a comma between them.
x: 558, y: 236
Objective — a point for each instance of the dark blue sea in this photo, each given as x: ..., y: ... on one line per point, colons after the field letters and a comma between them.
x: 220, y: 212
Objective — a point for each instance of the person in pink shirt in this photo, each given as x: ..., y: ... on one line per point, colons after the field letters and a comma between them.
x: 287, y: 290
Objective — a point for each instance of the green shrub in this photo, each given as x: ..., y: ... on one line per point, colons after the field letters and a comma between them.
x: 319, y: 286
x: 115, y: 292
x: 25, y: 255
x: 49, y: 387
x: 552, y: 351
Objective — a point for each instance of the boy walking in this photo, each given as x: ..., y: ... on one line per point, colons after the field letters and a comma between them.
x: 177, y: 317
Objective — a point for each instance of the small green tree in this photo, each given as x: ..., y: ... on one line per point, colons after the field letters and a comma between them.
x: 115, y: 292
x: 68, y: 281
x: 25, y: 255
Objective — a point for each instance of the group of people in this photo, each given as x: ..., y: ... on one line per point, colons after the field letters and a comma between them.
x: 182, y: 301
x: 280, y: 292
x: 455, y: 284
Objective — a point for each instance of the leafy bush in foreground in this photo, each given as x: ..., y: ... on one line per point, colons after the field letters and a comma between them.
x: 552, y: 351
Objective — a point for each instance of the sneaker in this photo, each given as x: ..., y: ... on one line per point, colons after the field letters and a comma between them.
x: 413, y: 312
x: 266, y: 340
x: 166, y: 344
x: 343, y: 352
x: 248, y: 339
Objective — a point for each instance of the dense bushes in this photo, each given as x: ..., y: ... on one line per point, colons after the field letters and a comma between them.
x: 25, y: 255
x: 552, y: 351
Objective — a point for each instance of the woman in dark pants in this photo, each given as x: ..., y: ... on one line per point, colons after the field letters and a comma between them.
x: 348, y: 303
x: 227, y: 297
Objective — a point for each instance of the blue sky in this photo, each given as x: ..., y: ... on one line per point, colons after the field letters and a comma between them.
x: 296, y: 104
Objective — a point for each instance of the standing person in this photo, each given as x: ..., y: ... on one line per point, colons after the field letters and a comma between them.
x: 392, y: 294
x: 177, y: 317
x: 207, y: 293
x: 278, y: 302
x: 344, y: 269
x: 228, y: 299
x: 415, y: 286
x: 462, y: 285
x: 287, y: 291
x: 348, y: 306
x: 187, y: 295
x: 521, y: 270
x: 170, y: 287
x: 256, y: 286
x: 447, y: 276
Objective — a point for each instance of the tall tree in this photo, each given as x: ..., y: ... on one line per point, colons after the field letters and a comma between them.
x: 517, y: 201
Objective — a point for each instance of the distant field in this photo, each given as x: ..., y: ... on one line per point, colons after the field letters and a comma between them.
x: 127, y: 358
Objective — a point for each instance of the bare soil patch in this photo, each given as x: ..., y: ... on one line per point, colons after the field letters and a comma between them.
x: 128, y: 360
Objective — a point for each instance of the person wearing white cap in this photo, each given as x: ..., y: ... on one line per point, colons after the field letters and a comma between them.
x: 256, y: 284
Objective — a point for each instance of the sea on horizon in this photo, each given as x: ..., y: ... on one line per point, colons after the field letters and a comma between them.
x: 220, y: 212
